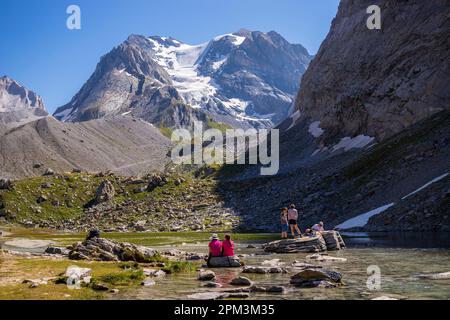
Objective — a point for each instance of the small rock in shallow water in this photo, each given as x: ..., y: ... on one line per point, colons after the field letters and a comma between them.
x: 148, y: 283
x: 212, y: 285
x: 241, y: 295
x: 277, y: 289
x: 241, y: 281
x: 310, y: 278
x: 255, y: 288
x: 206, y: 276
x: 325, y: 258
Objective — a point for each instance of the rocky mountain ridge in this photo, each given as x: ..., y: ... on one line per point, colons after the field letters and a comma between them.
x: 18, y: 104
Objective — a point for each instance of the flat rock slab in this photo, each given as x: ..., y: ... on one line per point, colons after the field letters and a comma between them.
x: 208, y: 296
x: 325, y: 258
x: 28, y: 244
x: 5, y: 233
x: 435, y: 276
x: 316, y: 244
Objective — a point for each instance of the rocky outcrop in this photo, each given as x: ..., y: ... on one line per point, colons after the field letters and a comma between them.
x: 378, y: 82
x: 100, y: 249
x: 105, y: 192
x: 18, y: 104
x: 316, y: 244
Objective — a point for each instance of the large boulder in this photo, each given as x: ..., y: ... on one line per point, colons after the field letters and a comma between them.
x: 105, y: 192
x: 100, y: 249
x: 333, y: 240
x: 224, y: 262
x: 5, y: 184
x: 310, y: 278
x: 155, y: 181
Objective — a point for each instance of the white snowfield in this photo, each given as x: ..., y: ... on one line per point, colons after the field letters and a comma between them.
x: 426, y: 185
x: 363, y: 219
x: 181, y: 62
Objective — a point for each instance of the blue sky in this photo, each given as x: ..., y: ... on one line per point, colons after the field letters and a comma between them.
x: 41, y: 53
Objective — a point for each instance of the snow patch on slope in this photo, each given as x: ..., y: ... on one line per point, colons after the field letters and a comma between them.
x: 426, y: 185
x: 294, y: 117
x: 315, y: 129
x: 363, y: 219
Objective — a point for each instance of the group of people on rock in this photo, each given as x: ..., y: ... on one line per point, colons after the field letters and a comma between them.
x: 289, y: 222
x: 219, y: 248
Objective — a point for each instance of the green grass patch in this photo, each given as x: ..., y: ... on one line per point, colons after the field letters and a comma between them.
x: 179, y: 267
x: 223, y: 127
x: 121, y: 279
x: 166, y: 132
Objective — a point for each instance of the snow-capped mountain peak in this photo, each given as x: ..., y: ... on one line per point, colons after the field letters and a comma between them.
x: 244, y: 79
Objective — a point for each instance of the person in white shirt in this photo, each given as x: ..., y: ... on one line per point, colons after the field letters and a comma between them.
x: 318, y: 227
x: 293, y: 220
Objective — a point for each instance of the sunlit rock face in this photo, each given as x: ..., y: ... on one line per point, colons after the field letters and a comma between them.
x: 378, y: 82
x: 18, y: 104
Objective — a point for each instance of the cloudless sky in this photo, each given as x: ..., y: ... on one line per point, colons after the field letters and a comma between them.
x: 38, y: 50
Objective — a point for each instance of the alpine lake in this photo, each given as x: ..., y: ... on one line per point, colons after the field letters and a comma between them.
x: 399, y: 257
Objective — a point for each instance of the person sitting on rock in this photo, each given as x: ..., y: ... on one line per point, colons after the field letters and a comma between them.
x: 227, y: 247
x: 310, y: 233
x: 215, y: 247
x: 318, y: 227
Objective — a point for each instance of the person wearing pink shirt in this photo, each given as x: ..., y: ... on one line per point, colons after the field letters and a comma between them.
x: 215, y: 247
x: 227, y: 247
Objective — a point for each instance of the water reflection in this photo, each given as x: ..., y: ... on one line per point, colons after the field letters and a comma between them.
x: 398, y: 239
